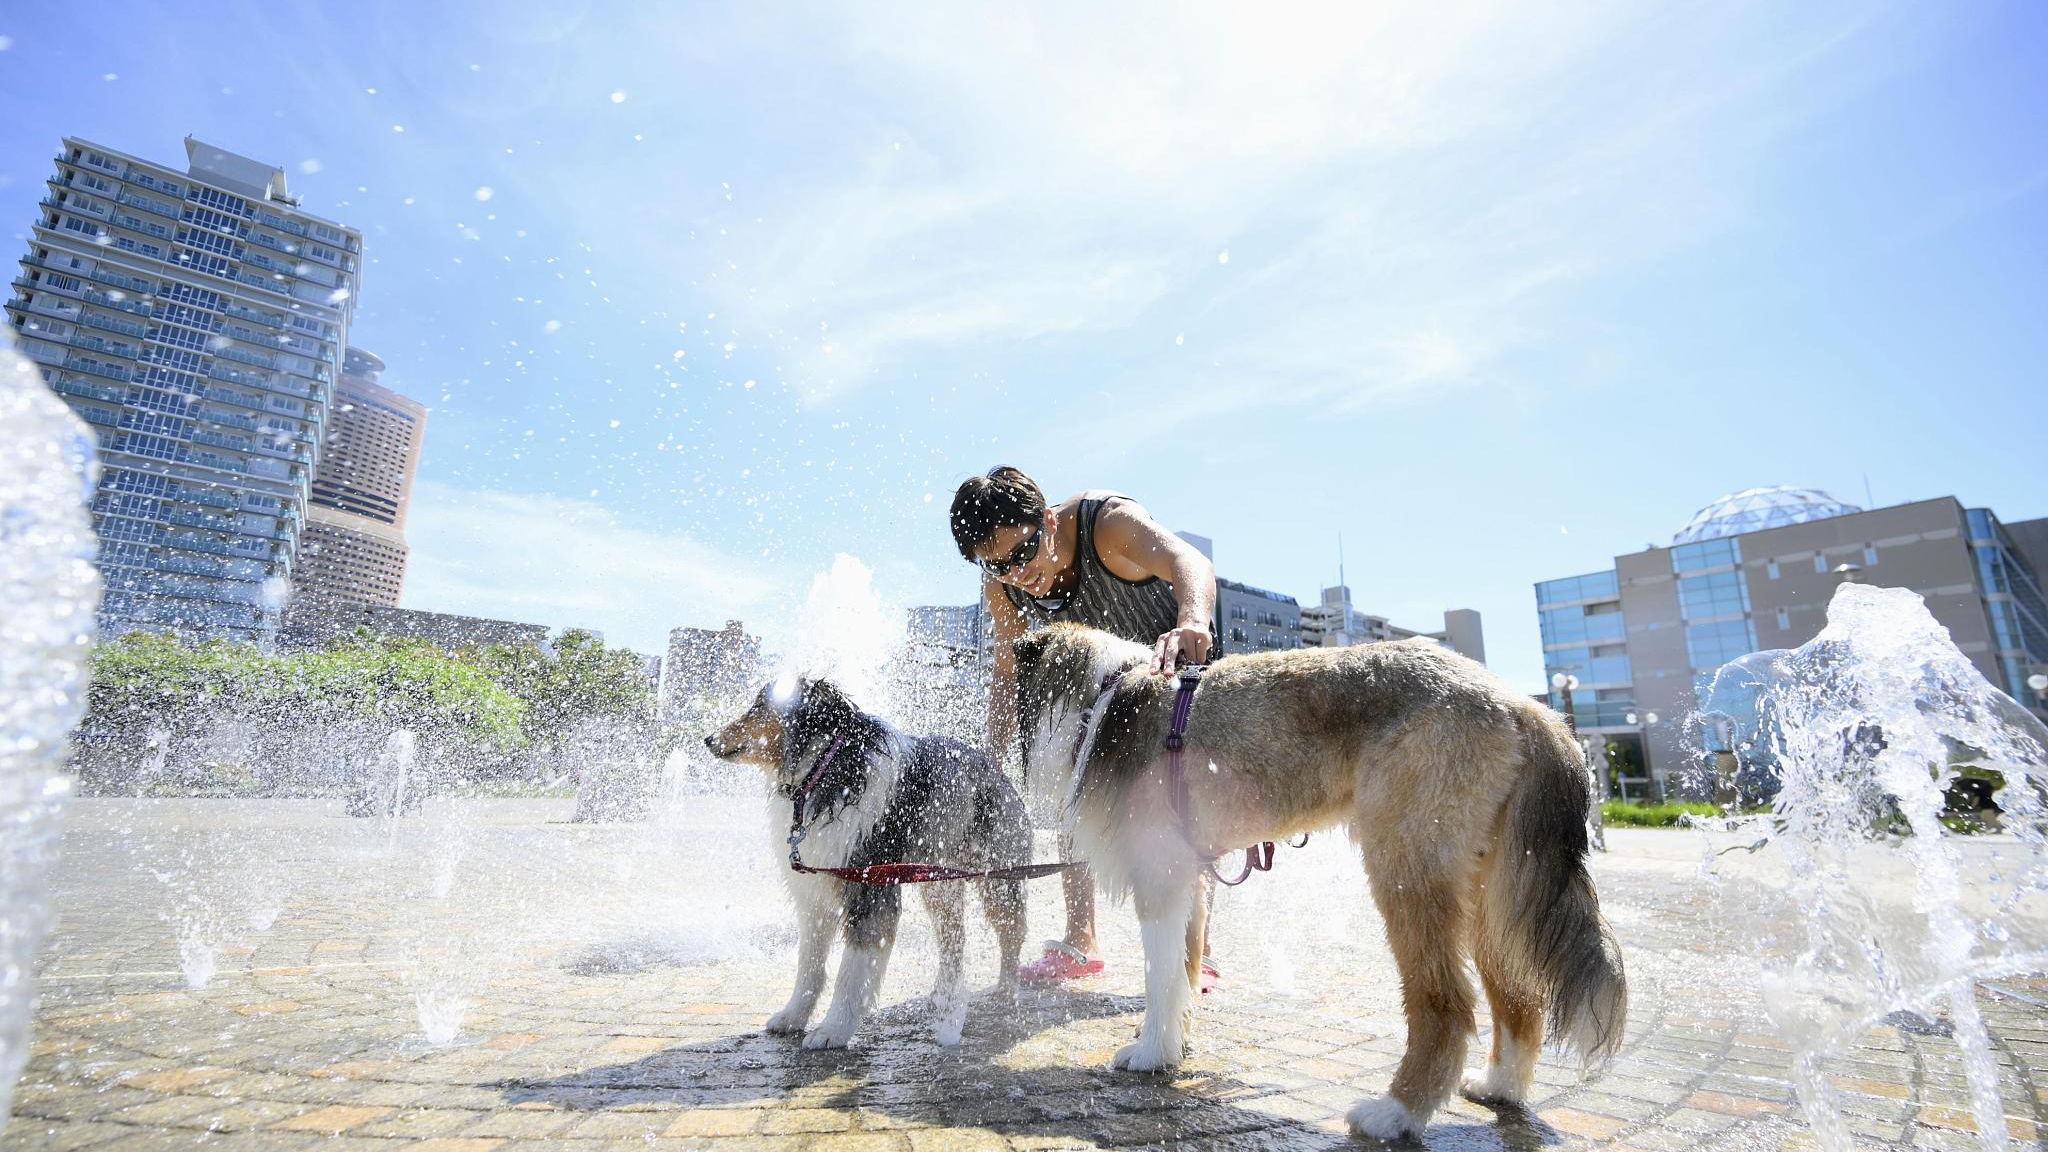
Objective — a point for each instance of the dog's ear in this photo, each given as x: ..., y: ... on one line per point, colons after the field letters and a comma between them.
x: 1029, y: 649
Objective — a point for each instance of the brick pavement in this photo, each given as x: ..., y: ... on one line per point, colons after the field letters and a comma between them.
x: 605, y: 986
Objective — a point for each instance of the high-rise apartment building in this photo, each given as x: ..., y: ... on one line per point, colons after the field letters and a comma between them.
x: 196, y: 320
x: 353, y: 549
x: 1755, y: 571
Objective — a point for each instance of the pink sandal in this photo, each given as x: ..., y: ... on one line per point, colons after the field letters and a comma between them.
x: 1061, y: 961
x: 1210, y: 976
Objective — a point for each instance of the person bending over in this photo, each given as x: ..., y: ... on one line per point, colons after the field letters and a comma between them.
x: 1096, y: 558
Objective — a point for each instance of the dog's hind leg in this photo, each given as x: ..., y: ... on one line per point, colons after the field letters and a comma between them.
x: 871, y: 917
x: 946, y: 903
x: 1002, y: 901
x: 1426, y: 922
x: 1517, y: 1033
x: 1165, y: 901
x: 1513, y: 991
x: 815, y: 920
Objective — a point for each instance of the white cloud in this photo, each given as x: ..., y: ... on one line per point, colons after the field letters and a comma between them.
x: 567, y: 562
x: 1406, y: 192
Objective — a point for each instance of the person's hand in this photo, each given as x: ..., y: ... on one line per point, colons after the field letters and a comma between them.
x: 1185, y: 645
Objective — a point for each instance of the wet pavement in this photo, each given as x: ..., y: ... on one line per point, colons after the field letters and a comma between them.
x: 606, y: 985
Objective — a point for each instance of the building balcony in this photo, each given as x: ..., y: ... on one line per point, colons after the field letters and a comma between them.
x: 112, y: 324
x: 212, y: 497
x: 89, y: 390
x: 244, y: 356
x: 148, y: 204
x: 96, y: 367
x: 106, y: 275
x: 229, y: 419
x: 250, y: 314
x: 46, y: 305
x: 107, y: 300
x: 72, y: 206
x: 103, y: 347
x: 92, y: 414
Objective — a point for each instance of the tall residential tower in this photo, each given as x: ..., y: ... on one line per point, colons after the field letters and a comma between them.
x: 354, y: 545
x: 196, y: 320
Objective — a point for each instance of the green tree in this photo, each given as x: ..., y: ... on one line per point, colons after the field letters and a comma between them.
x: 580, y: 679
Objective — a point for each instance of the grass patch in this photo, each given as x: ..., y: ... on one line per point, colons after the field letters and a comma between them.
x: 1627, y: 814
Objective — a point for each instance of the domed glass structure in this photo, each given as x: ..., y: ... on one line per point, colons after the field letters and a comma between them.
x: 1753, y: 509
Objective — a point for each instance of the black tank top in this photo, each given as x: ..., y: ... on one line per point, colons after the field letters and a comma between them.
x: 1141, y: 610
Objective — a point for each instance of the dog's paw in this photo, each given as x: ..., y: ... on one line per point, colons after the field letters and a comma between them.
x: 831, y: 1032
x: 1383, y: 1118
x: 1147, y: 1056
x: 1493, y: 1089
x: 787, y: 1022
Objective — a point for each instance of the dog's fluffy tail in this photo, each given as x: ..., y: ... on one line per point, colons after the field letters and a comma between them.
x: 1540, y: 906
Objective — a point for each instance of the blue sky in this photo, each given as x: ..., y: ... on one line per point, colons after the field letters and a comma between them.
x: 703, y: 296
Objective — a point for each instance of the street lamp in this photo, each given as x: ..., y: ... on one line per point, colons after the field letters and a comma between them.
x: 1564, y: 682
x: 1647, y: 721
x: 2039, y: 683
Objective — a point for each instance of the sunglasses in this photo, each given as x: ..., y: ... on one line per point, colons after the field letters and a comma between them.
x: 1019, y: 556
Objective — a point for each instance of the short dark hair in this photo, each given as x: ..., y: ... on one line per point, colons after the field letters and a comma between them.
x: 1001, y: 496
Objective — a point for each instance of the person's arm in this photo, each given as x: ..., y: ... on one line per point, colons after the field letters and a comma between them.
x: 1134, y: 546
x: 1006, y: 624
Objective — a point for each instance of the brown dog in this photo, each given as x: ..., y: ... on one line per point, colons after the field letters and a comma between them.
x: 1468, y: 800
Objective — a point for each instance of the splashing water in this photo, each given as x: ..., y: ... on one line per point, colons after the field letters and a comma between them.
x: 198, y: 959
x: 845, y: 633
x: 1864, y: 727
x: 50, y: 587
x: 440, y: 1014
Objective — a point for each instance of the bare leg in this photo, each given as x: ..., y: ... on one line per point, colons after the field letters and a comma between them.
x: 1078, y: 885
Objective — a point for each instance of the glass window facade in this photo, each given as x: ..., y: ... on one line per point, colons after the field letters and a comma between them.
x: 1712, y: 645
x: 1716, y: 594
x: 1575, y: 625
x: 1705, y: 554
x: 1592, y: 586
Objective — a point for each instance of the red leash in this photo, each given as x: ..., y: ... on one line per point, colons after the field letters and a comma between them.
x: 884, y: 875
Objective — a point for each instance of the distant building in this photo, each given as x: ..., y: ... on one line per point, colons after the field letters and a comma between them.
x: 1335, y: 623
x: 312, y: 622
x: 704, y: 665
x: 1250, y: 619
x: 196, y: 320
x: 354, y: 543
x: 1756, y: 570
x: 951, y: 634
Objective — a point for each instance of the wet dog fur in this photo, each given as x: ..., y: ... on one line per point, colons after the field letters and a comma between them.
x: 885, y: 797
x: 1467, y: 800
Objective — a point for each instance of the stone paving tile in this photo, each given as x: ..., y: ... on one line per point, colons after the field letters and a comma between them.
x: 309, y: 1036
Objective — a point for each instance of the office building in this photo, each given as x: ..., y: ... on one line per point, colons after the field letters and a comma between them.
x: 195, y: 319
x: 1755, y: 571
x: 705, y: 668
x: 354, y: 544
x: 1336, y: 623
x: 1251, y: 619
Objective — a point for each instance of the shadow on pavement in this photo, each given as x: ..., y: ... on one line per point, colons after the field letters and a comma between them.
x: 896, y: 1071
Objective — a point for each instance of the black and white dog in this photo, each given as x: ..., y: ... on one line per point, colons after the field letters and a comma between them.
x: 873, y: 795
